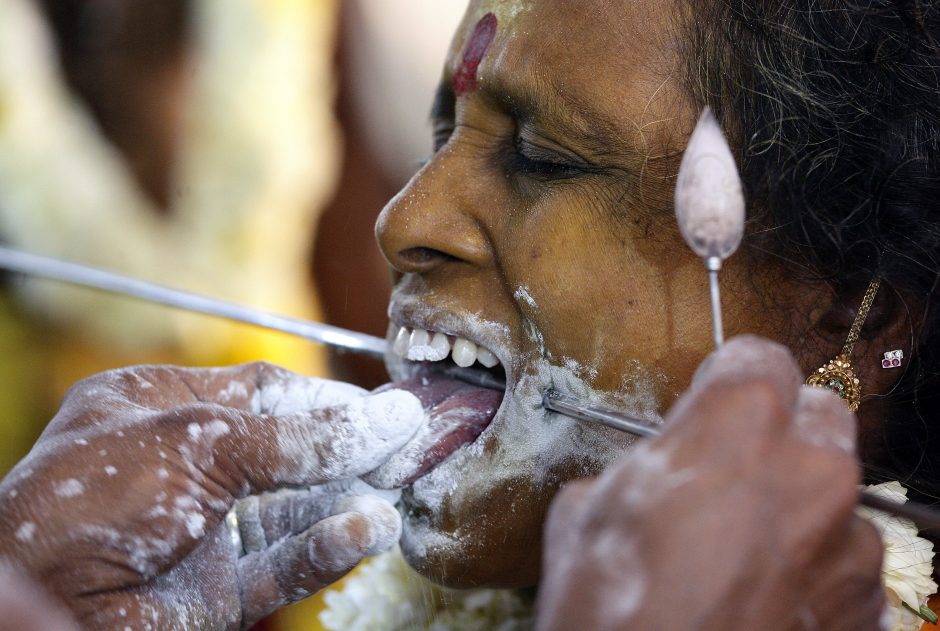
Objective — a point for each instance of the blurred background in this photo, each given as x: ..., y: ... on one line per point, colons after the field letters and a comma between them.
x: 238, y: 148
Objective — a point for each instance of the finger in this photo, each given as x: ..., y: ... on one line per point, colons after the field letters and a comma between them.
x: 25, y: 606
x: 267, y: 518
x: 257, y: 386
x: 264, y: 519
x: 747, y: 382
x: 822, y: 419
x: 561, y: 533
x: 281, y: 392
x: 264, y: 453
x: 303, y: 564
x: 853, y: 597
x: 748, y: 358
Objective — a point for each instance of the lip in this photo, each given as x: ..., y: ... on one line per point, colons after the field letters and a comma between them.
x: 412, y: 312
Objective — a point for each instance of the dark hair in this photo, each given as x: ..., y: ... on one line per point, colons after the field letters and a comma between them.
x: 834, y: 107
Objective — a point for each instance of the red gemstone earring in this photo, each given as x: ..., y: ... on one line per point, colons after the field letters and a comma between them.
x: 838, y: 375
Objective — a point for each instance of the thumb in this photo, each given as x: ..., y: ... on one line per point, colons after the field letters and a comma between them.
x: 317, y: 446
x: 303, y: 564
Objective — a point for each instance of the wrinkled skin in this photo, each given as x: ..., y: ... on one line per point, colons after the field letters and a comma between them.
x: 554, y: 175
x: 118, y: 508
x: 722, y: 522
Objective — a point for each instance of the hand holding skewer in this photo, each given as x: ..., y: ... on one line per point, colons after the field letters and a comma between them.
x: 720, y: 522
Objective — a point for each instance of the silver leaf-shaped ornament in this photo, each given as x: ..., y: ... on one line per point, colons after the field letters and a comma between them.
x: 709, y: 200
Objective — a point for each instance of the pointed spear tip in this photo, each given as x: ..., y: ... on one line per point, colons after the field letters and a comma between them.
x: 709, y: 200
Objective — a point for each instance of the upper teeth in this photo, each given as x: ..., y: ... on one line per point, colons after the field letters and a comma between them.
x: 421, y: 345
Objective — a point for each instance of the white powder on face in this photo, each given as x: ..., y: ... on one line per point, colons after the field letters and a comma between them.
x: 524, y: 444
x: 531, y: 444
x: 522, y: 294
x: 405, y: 463
x: 69, y: 488
x: 110, y: 470
x: 81, y: 441
x: 26, y: 531
x: 420, y: 539
x: 531, y: 440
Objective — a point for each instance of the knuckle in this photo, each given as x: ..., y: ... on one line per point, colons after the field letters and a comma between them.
x: 267, y: 372
x: 750, y: 398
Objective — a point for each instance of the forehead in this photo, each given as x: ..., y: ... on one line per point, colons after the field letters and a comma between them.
x: 615, y: 58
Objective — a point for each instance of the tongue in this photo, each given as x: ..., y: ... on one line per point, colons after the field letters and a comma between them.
x: 457, y: 414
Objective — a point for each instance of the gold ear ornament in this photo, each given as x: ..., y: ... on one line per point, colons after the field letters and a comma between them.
x: 838, y: 375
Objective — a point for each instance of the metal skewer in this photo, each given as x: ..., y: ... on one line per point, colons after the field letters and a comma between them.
x: 354, y: 342
x: 86, y: 276
x: 710, y: 205
x: 573, y: 408
x: 713, y: 265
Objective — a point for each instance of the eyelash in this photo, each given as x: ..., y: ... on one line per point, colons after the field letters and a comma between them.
x: 521, y: 164
x: 518, y: 163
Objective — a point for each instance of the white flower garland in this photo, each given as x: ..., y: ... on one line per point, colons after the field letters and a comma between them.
x: 387, y: 595
x: 907, y: 569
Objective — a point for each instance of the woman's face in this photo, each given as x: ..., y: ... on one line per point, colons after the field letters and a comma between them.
x: 542, y: 229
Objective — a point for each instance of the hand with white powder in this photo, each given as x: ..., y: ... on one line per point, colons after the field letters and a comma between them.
x: 740, y: 516
x: 119, y: 511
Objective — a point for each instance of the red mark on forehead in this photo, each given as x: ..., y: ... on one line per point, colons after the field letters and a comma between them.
x: 465, y: 79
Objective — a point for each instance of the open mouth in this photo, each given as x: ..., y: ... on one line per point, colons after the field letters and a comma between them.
x: 458, y: 411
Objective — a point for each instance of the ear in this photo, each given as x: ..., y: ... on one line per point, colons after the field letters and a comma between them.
x: 888, y: 327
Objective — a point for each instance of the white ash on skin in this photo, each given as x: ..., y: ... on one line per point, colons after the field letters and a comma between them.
x: 524, y: 443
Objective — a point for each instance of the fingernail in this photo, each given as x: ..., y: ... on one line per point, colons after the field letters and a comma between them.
x: 391, y: 414
x: 384, y: 520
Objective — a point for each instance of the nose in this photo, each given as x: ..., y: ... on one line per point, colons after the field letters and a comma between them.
x: 433, y: 221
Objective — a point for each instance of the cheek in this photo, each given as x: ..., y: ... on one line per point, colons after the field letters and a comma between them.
x: 608, y: 301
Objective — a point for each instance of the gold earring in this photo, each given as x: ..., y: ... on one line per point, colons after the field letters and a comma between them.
x: 838, y: 375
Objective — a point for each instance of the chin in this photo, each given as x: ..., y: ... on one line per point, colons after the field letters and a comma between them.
x: 474, y: 546
x: 476, y: 519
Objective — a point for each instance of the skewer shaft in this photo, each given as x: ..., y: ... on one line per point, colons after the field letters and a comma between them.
x: 576, y: 409
x: 713, y: 264
x: 87, y: 276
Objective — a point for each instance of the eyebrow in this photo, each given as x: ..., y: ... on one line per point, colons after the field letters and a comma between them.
x: 572, y: 114
x: 569, y: 114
